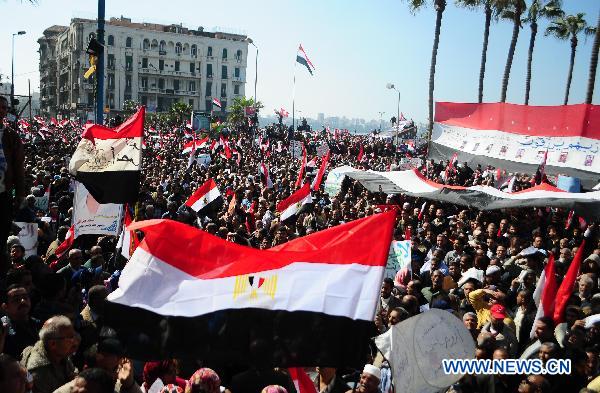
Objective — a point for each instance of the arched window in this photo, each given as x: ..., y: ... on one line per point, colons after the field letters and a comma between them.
x: 154, y: 45
x: 238, y: 55
x: 224, y: 53
x: 178, y: 48
x: 146, y: 44
x: 111, y: 40
x: 194, y: 50
x: 128, y: 42
x: 162, y: 46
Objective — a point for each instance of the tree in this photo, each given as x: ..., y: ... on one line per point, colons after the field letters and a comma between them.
x: 237, y: 111
x: 511, y: 10
x: 593, y: 65
x: 130, y: 107
x: 489, y: 10
x: 180, y: 110
x: 537, y: 10
x: 569, y: 27
x: 440, y: 7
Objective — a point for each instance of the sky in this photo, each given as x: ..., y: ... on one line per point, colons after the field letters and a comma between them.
x: 357, y: 47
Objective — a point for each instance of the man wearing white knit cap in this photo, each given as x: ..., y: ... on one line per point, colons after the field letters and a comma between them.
x: 369, y: 380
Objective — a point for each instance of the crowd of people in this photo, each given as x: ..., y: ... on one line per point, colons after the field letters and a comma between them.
x: 482, y: 267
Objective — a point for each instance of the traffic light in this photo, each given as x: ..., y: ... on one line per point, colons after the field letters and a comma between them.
x: 94, y: 49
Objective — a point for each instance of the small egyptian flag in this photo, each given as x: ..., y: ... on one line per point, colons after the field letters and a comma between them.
x: 206, y: 198
x: 297, y: 203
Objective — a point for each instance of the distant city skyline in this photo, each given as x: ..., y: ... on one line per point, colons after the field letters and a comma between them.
x: 356, y: 48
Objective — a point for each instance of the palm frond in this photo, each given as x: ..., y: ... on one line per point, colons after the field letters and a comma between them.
x: 415, y: 5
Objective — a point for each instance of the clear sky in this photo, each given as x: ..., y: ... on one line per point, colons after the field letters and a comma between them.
x: 356, y: 46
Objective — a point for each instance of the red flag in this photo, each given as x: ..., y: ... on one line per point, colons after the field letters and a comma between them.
x: 545, y: 293
x: 420, y: 216
x: 407, y: 234
x: 302, y: 169
x: 361, y: 153
x: 66, y: 244
x: 569, y: 220
x: 301, y: 380
x: 566, y: 287
x: 319, y: 178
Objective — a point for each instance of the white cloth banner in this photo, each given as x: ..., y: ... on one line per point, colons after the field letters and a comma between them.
x: 398, y: 258
x: 93, y: 218
x: 28, y: 236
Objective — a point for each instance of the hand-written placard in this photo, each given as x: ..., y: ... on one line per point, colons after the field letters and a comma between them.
x: 28, y: 236
x: 416, y: 347
x: 398, y: 257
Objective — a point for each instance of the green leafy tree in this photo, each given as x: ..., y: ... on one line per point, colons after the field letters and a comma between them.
x: 180, y: 111
x: 130, y: 107
x: 539, y: 9
x: 439, y: 6
x: 569, y: 27
x: 237, y: 111
x: 511, y: 10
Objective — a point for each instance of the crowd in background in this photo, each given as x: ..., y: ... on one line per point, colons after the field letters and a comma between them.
x: 481, y: 266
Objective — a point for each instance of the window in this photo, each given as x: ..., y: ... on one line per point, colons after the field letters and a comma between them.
x: 208, y: 89
x: 144, y: 62
x: 194, y: 50
x: 236, y: 89
x: 209, y: 51
x: 128, y: 42
x: 144, y: 100
x: 111, y: 40
x: 176, y: 84
x: 161, y: 83
x: 224, y: 53
x: 192, y: 68
x: 110, y: 62
x: 146, y: 44
x: 192, y: 86
x: 90, y: 99
x: 128, y: 63
x: 236, y: 72
x: 144, y: 83
x: 162, y: 47
x: 154, y: 45
x: 209, y: 70
x: 223, y: 105
x: 127, y: 82
x: 111, y: 81
x: 238, y: 55
x: 178, y: 48
x: 224, y: 72
x: 191, y: 101
x: 161, y: 64
x: 223, y: 90
x: 208, y: 105
x: 177, y: 65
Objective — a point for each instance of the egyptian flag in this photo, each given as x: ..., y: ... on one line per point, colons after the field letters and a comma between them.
x: 206, y: 198
x: 422, y: 211
x: 545, y: 293
x: 264, y: 175
x: 317, y: 182
x: 566, y: 286
x: 302, y: 58
x: 108, y: 161
x: 188, y: 294
x: 361, y: 153
x: 189, y: 147
x: 302, y: 169
x: 128, y: 241
x: 301, y: 380
x: 66, y: 244
x: 295, y: 204
x: 216, y: 102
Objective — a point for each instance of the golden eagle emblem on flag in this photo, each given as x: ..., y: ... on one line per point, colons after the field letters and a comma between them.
x: 254, y: 285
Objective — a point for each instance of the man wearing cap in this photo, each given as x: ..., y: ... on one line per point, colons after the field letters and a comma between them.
x: 504, y: 336
x: 369, y: 380
x: 482, y: 301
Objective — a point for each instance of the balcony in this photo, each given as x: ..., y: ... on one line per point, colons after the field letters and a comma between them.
x: 224, y: 60
x: 110, y: 67
x: 210, y: 58
x: 144, y: 88
x: 224, y: 77
x: 238, y: 59
x: 209, y: 76
x: 237, y: 79
x: 162, y: 52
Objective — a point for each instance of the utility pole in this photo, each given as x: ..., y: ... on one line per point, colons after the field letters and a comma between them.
x: 100, y: 66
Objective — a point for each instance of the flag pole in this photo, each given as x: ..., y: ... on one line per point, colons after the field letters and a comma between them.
x: 294, y: 106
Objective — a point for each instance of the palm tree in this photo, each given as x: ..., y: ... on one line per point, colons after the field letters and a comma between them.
x: 439, y: 6
x: 179, y: 111
x: 537, y: 10
x: 237, y: 111
x: 490, y: 10
x: 568, y: 27
x: 593, y: 65
x: 511, y: 10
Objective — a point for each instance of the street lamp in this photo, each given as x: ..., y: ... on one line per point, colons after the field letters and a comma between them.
x: 12, y: 72
x: 249, y: 40
x: 392, y: 87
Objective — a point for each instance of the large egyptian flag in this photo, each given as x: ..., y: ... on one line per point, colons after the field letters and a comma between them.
x: 108, y: 161
x: 517, y: 138
x: 295, y: 204
x: 302, y: 58
x: 206, y: 198
x: 188, y: 294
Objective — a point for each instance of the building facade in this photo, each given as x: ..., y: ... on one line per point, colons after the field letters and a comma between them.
x: 152, y: 64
